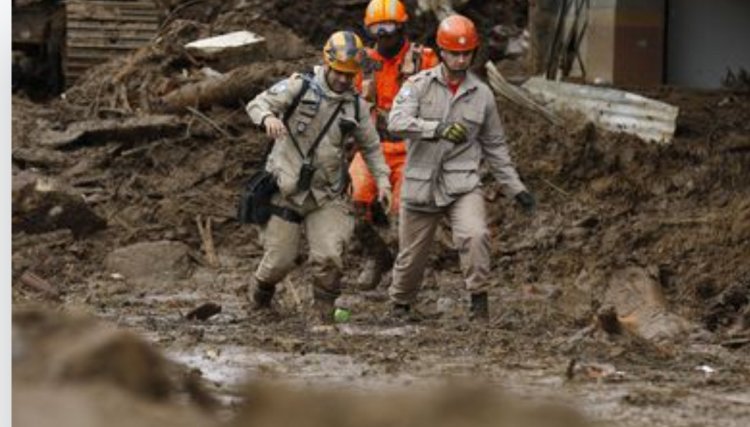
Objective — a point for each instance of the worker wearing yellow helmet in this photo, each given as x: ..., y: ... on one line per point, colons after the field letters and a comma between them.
x: 310, y: 117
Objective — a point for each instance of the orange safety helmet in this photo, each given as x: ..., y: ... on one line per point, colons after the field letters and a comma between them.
x: 385, y: 11
x: 344, y: 52
x: 457, y: 33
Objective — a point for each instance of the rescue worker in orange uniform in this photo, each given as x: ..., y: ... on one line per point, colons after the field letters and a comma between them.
x: 391, y: 61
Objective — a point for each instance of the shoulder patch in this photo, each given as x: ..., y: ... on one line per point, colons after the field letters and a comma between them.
x: 404, y: 94
x: 279, y: 87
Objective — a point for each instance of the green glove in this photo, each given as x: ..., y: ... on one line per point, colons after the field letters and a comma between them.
x: 453, y: 132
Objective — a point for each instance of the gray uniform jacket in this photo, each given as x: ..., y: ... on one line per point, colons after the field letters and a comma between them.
x: 314, y: 110
x: 437, y: 172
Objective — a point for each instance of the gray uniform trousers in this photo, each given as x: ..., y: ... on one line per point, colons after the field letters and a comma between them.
x: 328, y: 228
x: 468, y: 222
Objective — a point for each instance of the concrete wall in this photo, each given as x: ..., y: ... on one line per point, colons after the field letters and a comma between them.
x: 704, y: 38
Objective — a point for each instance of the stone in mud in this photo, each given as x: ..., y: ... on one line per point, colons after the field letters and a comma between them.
x: 576, y: 297
x: 150, y: 262
x: 641, y: 307
x: 42, y: 204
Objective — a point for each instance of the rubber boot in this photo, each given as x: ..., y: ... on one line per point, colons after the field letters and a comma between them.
x: 262, y: 294
x: 377, y: 254
x: 479, y: 309
x: 322, y: 312
x: 372, y: 274
x: 401, y: 312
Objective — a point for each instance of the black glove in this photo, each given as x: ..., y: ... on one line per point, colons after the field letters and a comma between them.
x: 527, y: 202
x: 453, y: 132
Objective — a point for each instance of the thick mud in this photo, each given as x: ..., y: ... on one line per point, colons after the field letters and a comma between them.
x: 607, y: 202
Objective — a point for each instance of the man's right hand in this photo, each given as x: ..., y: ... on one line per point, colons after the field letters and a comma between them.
x: 274, y: 127
x: 453, y: 132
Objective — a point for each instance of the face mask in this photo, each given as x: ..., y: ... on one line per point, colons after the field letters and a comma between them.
x: 389, y: 51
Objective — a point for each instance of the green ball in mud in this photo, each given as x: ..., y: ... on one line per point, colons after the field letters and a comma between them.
x: 342, y: 315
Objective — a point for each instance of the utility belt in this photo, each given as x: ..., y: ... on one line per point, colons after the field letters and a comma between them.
x: 255, y: 205
x: 387, y: 137
x: 289, y: 215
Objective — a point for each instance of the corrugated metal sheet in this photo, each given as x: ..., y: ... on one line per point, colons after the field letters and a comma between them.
x: 610, y: 109
x: 100, y: 30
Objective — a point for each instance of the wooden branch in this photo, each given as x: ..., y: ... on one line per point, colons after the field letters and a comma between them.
x: 39, y: 284
x: 210, y: 122
x: 515, y: 95
x: 208, y: 241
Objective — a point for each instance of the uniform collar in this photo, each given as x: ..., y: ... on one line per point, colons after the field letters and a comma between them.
x: 470, y: 82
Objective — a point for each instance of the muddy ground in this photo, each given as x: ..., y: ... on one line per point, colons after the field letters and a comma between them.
x: 608, y: 203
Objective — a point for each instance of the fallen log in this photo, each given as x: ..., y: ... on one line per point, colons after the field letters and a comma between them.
x: 103, y: 131
x: 237, y: 86
x: 41, y: 158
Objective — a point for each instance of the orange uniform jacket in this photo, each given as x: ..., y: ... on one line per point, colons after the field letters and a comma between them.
x: 380, y: 86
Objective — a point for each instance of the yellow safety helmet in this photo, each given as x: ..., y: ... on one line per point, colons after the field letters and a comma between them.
x: 344, y: 52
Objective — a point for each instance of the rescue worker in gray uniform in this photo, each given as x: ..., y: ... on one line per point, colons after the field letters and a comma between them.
x: 306, y: 115
x: 451, y: 121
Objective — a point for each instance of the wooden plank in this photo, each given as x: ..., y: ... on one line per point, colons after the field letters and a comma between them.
x: 106, y: 19
x: 114, y: 39
x: 115, y: 46
x: 126, y: 4
x: 129, y: 26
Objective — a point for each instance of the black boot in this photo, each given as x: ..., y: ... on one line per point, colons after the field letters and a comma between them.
x: 479, y: 309
x: 401, y: 311
x: 262, y: 294
x: 323, y: 304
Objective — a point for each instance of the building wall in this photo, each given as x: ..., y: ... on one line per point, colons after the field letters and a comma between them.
x: 704, y: 39
x: 624, y: 43
x: 598, y: 45
x: 639, y: 42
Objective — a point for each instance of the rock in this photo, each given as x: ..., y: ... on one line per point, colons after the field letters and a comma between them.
x: 640, y: 306
x: 204, y: 311
x: 447, y: 306
x: 150, y: 262
x: 42, y: 204
x: 576, y: 298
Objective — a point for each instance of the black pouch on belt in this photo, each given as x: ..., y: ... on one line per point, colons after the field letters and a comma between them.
x: 255, y: 202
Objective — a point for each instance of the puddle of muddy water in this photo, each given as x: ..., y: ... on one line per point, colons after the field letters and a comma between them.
x: 228, y: 361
